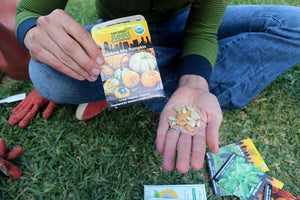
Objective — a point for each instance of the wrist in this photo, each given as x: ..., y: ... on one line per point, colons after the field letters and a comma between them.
x: 194, y: 81
x: 28, y: 37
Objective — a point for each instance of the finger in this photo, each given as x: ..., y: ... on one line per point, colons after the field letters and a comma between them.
x: 212, y: 132
x: 84, y: 38
x: 76, y: 42
x: 20, y: 106
x: 18, y: 116
x: 2, y: 147
x: 49, y: 59
x: 26, y: 120
x: 62, y: 53
x: 48, y: 111
x: 184, y: 152
x: 198, y: 151
x: 71, y: 54
x: 162, y: 129
x: 170, y: 149
x: 42, y: 48
x: 14, y: 153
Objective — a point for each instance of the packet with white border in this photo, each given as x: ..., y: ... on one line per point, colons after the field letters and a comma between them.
x: 178, y: 192
x: 130, y: 74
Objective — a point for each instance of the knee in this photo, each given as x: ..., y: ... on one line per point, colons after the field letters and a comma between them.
x: 47, y: 81
x: 60, y: 88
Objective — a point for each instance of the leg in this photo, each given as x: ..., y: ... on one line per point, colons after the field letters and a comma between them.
x: 14, y: 58
x: 60, y: 88
x: 256, y: 44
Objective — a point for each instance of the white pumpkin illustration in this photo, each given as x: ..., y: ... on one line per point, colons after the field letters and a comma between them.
x: 142, y: 61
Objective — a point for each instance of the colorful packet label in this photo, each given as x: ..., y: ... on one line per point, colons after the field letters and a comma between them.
x: 178, y: 192
x: 274, y: 193
x: 244, y: 148
x: 242, y: 179
x: 130, y: 74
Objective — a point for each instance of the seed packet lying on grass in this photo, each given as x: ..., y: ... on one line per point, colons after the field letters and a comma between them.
x: 178, y: 192
x: 244, y: 148
x: 274, y: 193
x: 242, y: 179
x: 130, y: 74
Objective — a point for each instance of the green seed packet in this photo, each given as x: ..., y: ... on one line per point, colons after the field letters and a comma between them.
x: 241, y: 178
x: 244, y: 148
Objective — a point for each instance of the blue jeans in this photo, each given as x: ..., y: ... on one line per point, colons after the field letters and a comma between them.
x: 256, y: 44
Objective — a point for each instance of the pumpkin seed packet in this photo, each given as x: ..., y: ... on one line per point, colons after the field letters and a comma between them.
x: 274, y: 193
x: 130, y: 74
x: 178, y: 192
x: 244, y: 148
x: 242, y: 179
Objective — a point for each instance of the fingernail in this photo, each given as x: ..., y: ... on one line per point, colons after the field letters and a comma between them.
x: 93, y: 78
x: 99, y: 61
x: 95, y: 71
x: 81, y: 78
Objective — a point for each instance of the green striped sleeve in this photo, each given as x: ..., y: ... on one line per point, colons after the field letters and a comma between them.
x: 200, y: 34
x: 30, y: 9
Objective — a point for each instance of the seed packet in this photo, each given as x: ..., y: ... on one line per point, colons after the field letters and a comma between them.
x: 244, y: 148
x: 242, y: 179
x: 130, y: 74
x: 178, y: 192
x: 274, y: 193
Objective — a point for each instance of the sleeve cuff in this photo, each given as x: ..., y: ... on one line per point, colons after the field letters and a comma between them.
x: 24, y: 27
x: 195, y: 65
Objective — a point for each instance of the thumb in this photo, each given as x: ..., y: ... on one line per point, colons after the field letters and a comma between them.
x: 212, y: 132
x: 48, y: 111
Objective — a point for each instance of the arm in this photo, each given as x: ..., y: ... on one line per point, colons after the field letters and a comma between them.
x: 54, y: 38
x: 199, y: 52
x: 200, y: 43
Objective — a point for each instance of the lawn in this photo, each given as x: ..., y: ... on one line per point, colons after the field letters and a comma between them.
x: 101, y: 159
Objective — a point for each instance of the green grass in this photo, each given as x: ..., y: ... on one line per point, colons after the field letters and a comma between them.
x: 113, y: 155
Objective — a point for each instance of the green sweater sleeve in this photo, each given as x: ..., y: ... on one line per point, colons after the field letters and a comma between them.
x: 29, y: 10
x: 200, y: 34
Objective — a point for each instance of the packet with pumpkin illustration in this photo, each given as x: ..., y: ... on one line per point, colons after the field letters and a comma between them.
x: 130, y: 74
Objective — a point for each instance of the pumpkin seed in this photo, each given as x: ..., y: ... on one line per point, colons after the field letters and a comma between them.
x: 189, y: 108
x: 186, y: 116
x: 191, y: 123
x: 181, y: 122
x: 195, y: 116
x: 177, y: 108
x: 189, y: 118
x: 184, y: 110
x: 189, y: 128
x: 171, y: 118
x: 180, y: 115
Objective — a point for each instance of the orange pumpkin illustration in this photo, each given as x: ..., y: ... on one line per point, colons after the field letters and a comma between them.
x: 150, y: 78
x: 131, y: 79
x: 117, y: 61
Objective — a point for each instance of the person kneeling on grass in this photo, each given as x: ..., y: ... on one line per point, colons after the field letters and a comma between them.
x: 227, y: 55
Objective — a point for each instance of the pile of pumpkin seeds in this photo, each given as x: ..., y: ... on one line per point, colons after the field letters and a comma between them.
x: 186, y: 116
